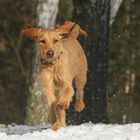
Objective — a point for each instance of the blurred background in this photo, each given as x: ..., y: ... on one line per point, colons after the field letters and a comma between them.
x: 21, y: 100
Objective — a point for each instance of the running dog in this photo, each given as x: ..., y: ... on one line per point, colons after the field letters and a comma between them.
x: 62, y: 60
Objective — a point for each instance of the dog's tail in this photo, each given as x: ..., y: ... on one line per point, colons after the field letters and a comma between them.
x: 71, y: 29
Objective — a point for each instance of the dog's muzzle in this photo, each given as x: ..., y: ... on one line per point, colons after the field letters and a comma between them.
x: 47, y: 62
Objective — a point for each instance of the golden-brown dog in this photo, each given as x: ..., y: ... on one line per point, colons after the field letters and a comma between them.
x: 62, y: 61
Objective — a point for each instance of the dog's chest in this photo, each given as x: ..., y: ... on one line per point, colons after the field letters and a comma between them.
x: 58, y: 77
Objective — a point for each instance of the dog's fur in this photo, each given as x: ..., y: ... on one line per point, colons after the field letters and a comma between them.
x: 57, y: 73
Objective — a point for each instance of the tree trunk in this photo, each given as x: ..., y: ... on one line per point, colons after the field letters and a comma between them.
x: 36, y: 112
x: 115, y: 5
x: 93, y: 16
x: 47, y: 11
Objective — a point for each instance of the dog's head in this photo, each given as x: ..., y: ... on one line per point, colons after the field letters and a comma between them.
x: 49, y: 41
x: 49, y: 44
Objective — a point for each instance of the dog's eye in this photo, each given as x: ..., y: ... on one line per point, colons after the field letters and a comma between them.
x: 55, y: 41
x: 42, y: 41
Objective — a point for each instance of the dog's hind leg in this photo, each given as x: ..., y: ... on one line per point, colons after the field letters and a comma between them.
x: 80, y: 83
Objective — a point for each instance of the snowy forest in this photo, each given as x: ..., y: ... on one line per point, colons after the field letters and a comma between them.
x: 112, y: 49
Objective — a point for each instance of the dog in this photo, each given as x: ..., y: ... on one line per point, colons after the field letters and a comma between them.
x: 62, y: 60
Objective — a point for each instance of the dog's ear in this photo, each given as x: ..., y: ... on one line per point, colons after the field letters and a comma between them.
x: 65, y: 29
x: 33, y: 33
x: 70, y: 29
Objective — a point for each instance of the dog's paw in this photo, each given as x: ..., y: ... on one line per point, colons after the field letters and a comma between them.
x: 56, y: 126
x: 63, y: 104
x: 79, y: 106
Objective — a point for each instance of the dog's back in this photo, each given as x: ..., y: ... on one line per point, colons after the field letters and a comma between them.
x: 75, y: 57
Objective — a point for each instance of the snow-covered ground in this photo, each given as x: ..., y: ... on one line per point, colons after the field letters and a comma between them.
x: 87, y: 131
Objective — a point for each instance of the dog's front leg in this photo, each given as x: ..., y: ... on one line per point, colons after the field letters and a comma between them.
x: 47, y: 85
x: 65, y: 97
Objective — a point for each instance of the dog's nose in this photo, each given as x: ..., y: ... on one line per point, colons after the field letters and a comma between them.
x: 50, y: 53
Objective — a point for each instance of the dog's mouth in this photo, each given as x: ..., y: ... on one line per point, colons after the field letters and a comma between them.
x: 48, y: 62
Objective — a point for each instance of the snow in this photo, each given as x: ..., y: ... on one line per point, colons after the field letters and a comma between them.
x: 87, y: 131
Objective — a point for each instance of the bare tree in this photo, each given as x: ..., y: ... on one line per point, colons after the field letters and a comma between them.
x: 36, y: 111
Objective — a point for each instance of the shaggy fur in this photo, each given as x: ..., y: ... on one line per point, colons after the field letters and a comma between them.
x: 67, y: 63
